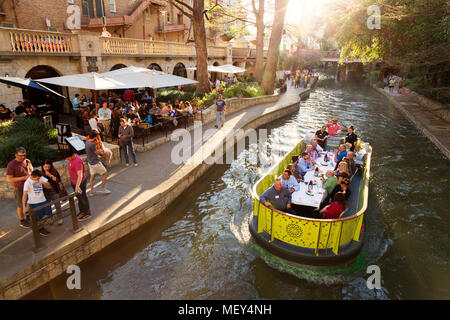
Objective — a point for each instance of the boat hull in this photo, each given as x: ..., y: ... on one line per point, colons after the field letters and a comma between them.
x: 302, y: 257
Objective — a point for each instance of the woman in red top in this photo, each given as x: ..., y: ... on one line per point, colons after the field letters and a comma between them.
x: 334, y: 210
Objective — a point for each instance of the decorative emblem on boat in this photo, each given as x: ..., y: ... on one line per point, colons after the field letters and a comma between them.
x: 294, y: 230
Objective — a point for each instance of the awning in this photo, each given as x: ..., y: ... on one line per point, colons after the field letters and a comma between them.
x: 227, y: 68
x: 134, y: 77
x: 28, y: 83
x: 91, y: 81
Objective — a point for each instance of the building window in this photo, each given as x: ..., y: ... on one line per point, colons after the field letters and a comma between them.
x: 70, y: 2
x: 112, y: 5
x: 168, y: 17
x: 147, y: 14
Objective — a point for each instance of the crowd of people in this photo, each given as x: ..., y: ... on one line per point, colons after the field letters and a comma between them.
x: 37, y: 187
x: 26, y: 109
x: 104, y: 116
x: 301, y: 78
x: 335, y: 182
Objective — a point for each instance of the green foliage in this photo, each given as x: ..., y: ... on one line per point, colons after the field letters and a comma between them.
x: 240, y: 89
x: 172, y: 95
x: 381, y: 84
x: 372, y: 75
x: 33, y: 135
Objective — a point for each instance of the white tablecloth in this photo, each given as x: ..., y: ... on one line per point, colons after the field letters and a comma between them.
x: 318, y: 193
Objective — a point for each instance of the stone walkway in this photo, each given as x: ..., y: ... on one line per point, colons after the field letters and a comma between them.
x: 131, y: 188
x: 431, y: 125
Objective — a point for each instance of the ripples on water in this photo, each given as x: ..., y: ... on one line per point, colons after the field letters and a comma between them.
x: 201, y: 249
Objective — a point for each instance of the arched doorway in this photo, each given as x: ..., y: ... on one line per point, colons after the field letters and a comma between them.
x: 154, y: 66
x: 118, y: 66
x: 214, y: 75
x: 37, y: 97
x: 180, y: 70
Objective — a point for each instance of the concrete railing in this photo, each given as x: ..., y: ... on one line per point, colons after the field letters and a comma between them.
x: 125, y: 46
x: 234, y: 105
x: 33, y: 41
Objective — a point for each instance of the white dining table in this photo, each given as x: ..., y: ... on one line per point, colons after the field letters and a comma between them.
x: 317, y: 194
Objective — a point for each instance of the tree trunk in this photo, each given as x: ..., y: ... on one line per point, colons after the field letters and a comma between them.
x: 268, y: 83
x: 201, y: 49
x: 259, y: 66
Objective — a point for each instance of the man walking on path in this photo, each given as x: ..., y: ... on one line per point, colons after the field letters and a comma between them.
x: 220, y: 111
x: 79, y: 181
x: 126, y: 134
x: 17, y: 172
x: 95, y: 165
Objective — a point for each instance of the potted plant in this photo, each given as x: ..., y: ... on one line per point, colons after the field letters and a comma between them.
x: 227, y: 36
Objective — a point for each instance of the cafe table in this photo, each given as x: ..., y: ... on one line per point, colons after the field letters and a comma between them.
x: 312, y: 196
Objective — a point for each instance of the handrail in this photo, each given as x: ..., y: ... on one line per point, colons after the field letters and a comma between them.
x: 36, y: 224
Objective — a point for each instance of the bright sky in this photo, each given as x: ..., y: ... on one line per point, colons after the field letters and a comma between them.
x: 306, y: 12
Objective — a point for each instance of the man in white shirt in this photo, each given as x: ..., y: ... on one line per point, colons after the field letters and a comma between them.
x: 33, y: 189
x: 104, y: 115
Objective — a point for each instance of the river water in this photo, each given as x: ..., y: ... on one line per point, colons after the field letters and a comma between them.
x: 200, y: 247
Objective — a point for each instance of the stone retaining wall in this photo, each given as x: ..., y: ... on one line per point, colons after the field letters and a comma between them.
x: 440, y: 110
x: 234, y: 105
x: 7, y: 191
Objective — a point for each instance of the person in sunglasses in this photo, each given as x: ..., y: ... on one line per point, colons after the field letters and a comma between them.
x: 17, y: 172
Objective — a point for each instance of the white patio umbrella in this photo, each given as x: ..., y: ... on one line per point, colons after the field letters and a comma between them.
x: 134, y: 77
x: 92, y: 81
x: 195, y: 68
x: 227, y: 68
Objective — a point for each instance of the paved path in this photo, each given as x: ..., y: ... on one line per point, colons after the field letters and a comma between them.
x: 130, y: 187
x: 432, y: 126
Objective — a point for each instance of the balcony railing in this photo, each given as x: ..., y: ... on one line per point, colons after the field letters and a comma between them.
x: 54, y: 43
x: 123, y: 46
x: 20, y: 40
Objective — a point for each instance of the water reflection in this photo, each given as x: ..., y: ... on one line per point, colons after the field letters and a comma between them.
x: 200, y: 249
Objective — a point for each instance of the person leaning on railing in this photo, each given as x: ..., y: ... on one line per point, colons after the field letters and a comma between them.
x: 278, y: 197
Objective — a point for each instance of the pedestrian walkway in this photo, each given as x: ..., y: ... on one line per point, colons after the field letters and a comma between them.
x: 433, y: 127
x: 156, y: 177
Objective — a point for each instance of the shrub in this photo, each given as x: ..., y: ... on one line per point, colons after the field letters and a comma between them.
x: 37, y: 150
x: 172, y: 95
x: 381, y: 84
x: 33, y: 135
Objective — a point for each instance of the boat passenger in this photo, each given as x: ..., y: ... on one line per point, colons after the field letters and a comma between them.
x: 278, y: 197
x: 289, y: 182
x: 333, y: 127
x: 340, y: 153
x: 314, y: 155
x: 350, y: 157
x: 334, y: 209
x: 316, y: 147
x: 304, y: 164
x: 330, y: 182
x: 342, y: 171
x: 347, y: 161
x: 321, y: 136
x: 351, y: 137
x: 296, y: 173
x: 343, y: 187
